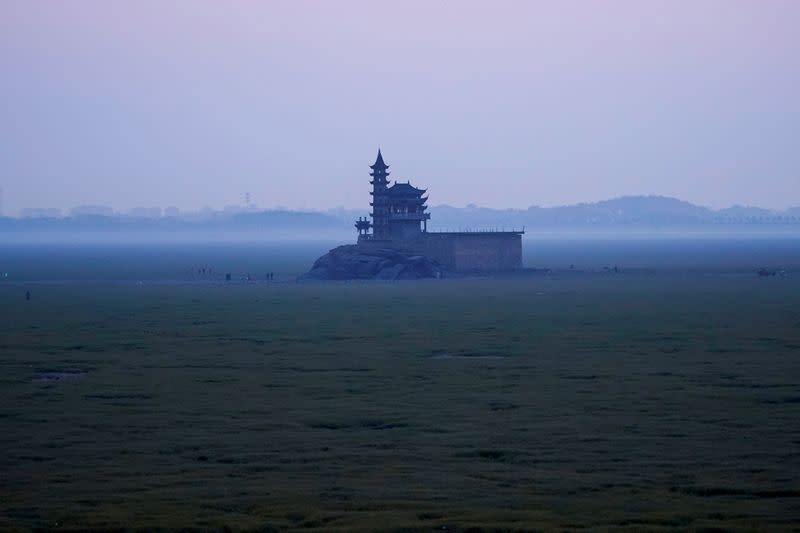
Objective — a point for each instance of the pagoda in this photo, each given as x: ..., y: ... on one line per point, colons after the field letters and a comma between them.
x: 379, y: 203
x: 398, y: 210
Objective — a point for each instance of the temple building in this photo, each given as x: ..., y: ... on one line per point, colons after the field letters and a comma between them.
x: 398, y: 209
x: 400, y: 220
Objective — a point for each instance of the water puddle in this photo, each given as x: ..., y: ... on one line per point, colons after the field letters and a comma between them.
x: 467, y: 355
x: 64, y: 374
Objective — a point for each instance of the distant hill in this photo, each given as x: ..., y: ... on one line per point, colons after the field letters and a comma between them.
x: 629, y: 212
x: 646, y: 212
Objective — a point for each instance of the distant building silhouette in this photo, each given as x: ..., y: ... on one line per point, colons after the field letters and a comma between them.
x: 145, y: 212
x: 92, y: 210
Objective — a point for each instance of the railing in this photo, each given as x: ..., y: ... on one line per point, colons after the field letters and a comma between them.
x: 371, y: 237
x: 481, y: 230
x: 409, y: 216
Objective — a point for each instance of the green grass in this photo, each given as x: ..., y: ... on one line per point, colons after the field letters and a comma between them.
x: 596, y: 402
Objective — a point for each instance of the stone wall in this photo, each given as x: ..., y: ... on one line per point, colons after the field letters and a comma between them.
x: 464, y: 251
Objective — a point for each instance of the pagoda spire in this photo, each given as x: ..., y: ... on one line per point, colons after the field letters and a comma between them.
x: 379, y: 172
x: 379, y: 164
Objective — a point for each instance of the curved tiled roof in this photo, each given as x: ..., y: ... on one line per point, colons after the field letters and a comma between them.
x: 404, y: 189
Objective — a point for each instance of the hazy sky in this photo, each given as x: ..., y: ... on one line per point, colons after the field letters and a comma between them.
x: 194, y: 103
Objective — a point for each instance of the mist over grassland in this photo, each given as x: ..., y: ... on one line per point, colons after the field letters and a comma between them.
x: 528, y: 402
x: 183, y: 261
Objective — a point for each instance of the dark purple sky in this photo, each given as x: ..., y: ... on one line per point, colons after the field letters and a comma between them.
x: 194, y: 103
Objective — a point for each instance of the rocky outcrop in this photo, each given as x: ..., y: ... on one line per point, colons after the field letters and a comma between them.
x: 352, y: 262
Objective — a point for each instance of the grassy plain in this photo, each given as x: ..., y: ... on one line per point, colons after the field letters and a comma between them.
x: 586, y: 401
